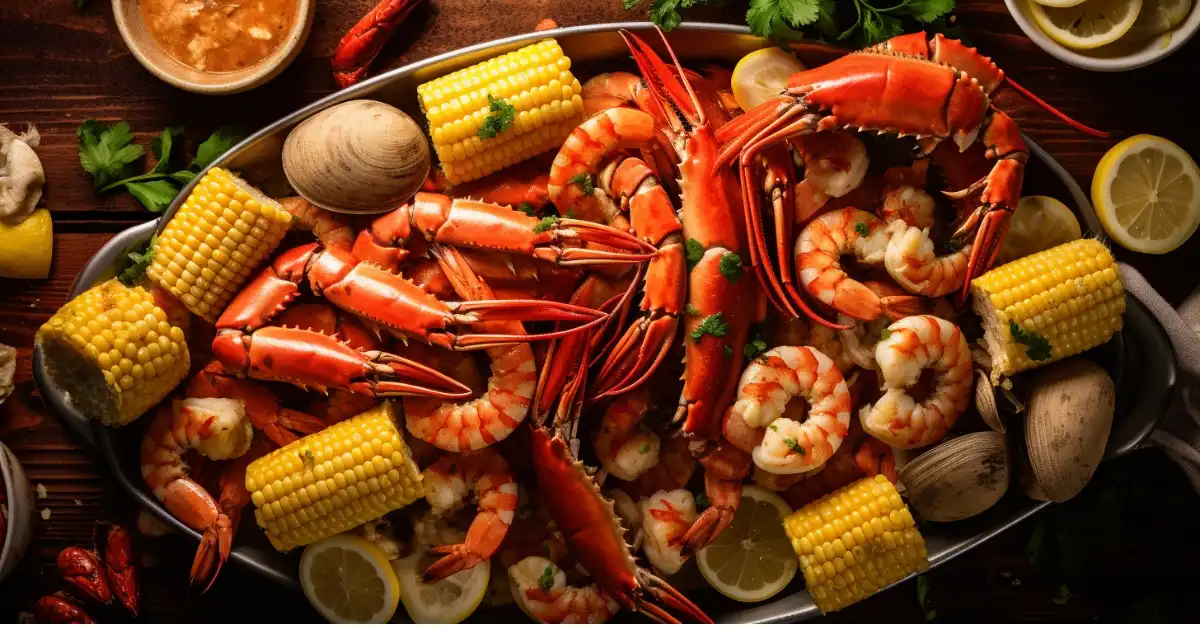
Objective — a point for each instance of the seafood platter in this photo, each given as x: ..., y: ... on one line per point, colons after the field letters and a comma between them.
x: 563, y: 326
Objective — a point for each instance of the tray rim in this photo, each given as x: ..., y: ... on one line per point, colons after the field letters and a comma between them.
x: 796, y: 606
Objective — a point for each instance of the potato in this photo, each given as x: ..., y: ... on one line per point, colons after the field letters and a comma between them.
x: 1067, y: 423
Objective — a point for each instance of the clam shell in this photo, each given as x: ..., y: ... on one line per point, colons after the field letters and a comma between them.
x: 985, y: 402
x: 361, y: 156
x: 958, y: 479
x: 1067, y: 424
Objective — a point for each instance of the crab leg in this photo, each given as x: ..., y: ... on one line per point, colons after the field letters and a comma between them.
x: 359, y: 47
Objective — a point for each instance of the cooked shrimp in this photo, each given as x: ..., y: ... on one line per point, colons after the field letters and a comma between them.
x: 914, y: 344
x: 739, y: 433
x: 834, y: 162
x: 330, y: 228
x: 674, y: 469
x: 859, y: 338
x: 614, y: 89
x: 868, y: 458
x: 447, y: 484
x: 828, y: 341
x: 576, y: 167
x: 819, y: 250
x: 630, y: 514
x: 666, y: 517
x: 776, y: 482
x: 766, y: 386
x: 912, y: 262
x: 904, y: 196
x: 625, y: 448
x: 217, y: 429
x: 540, y: 588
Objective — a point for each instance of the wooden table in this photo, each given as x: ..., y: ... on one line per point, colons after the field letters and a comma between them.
x: 60, y: 65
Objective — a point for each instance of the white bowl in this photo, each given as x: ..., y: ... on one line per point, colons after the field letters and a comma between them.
x: 20, y: 511
x: 1115, y: 57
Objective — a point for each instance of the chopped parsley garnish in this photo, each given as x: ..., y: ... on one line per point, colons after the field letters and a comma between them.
x: 714, y: 325
x: 861, y: 229
x: 691, y: 310
x: 728, y: 351
x: 546, y: 224
x: 885, y: 334
x: 793, y: 445
x: 693, y: 251
x: 133, y: 274
x: 754, y: 348
x: 546, y: 581
x: 1037, y: 346
x: 585, y: 182
x: 645, y: 449
x: 731, y: 266
x: 500, y: 117
x: 527, y: 208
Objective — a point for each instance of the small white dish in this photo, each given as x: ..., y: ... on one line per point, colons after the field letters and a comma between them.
x: 147, y: 51
x: 1118, y: 56
x: 20, y: 511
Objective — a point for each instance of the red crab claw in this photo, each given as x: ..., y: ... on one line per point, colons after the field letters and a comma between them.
x: 362, y: 43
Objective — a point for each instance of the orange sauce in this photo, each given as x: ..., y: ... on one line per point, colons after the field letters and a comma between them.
x: 219, y: 35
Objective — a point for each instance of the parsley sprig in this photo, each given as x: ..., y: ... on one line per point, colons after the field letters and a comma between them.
x: 140, y: 258
x: 500, y: 117
x: 110, y: 155
x: 1037, y: 346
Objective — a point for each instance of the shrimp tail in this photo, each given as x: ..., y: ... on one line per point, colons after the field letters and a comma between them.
x: 458, y: 558
x: 215, y: 545
x: 724, y: 495
x: 896, y: 307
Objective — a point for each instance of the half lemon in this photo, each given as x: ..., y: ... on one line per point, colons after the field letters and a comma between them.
x: 761, y: 75
x: 449, y: 601
x: 752, y: 560
x: 1039, y: 223
x: 348, y: 580
x: 1147, y: 194
x: 1087, y: 25
x: 1158, y: 17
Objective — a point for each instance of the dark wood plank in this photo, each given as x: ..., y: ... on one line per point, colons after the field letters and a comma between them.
x: 60, y: 65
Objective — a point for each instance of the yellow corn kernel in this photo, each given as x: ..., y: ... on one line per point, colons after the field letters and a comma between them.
x: 846, y: 558
x: 1061, y: 302
x: 535, y: 80
x: 335, y: 480
x: 224, y: 229
x: 114, y: 352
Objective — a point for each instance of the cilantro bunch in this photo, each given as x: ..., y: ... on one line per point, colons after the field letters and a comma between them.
x: 857, y: 23
x: 109, y: 154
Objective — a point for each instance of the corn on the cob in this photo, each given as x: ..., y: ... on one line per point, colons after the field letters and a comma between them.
x: 114, y: 352
x: 335, y: 480
x: 854, y: 542
x: 535, y: 80
x: 220, y: 234
x: 1048, y: 306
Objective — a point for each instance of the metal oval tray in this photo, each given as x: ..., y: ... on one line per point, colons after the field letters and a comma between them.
x: 1139, y: 358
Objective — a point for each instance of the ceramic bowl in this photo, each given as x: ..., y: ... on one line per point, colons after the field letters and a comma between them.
x: 147, y: 51
x: 1118, y: 56
x: 20, y: 511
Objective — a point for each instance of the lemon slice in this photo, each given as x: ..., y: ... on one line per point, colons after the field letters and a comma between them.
x: 752, y: 560
x: 1039, y: 223
x: 1158, y: 17
x: 348, y: 580
x: 449, y: 601
x: 1059, y: 3
x: 761, y: 75
x: 1087, y: 25
x: 1147, y: 194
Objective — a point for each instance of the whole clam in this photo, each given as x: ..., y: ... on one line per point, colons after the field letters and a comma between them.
x: 361, y: 156
x: 985, y: 402
x: 958, y: 479
x: 1066, y: 426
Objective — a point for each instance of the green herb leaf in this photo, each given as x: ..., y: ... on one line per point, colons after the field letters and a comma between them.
x: 500, y: 117
x: 693, y: 252
x: 922, y: 596
x: 160, y: 147
x: 730, y: 266
x: 754, y: 348
x: 629, y: 5
x: 781, y: 19
x: 546, y: 224
x: 155, y: 195
x: 793, y: 445
x: 714, y: 325
x: 728, y: 351
x: 107, y: 152
x: 665, y: 13
x: 702, y: 502
x: 691, y: 310
x: 221, y: 140
x: 585, y: 182
x: 527, y: 208
x: 546, y: 581
x: 885, y: 334
x: 862, y: 229
x: 1037, y: 346
x: 926, y: 11
x: 183, y: 176
x: 774, y: 428
x: 133, y: 274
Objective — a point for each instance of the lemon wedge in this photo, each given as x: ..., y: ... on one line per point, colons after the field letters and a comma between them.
x: 752, y: 560
x: 27, y: 246
x: 348, y: 580
x: 1158, y: 17
x: 1039, y: 223
x: 449, y: 601
x: 761, y: 75
x: 1086, y: 25
x: 1147, y: 194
